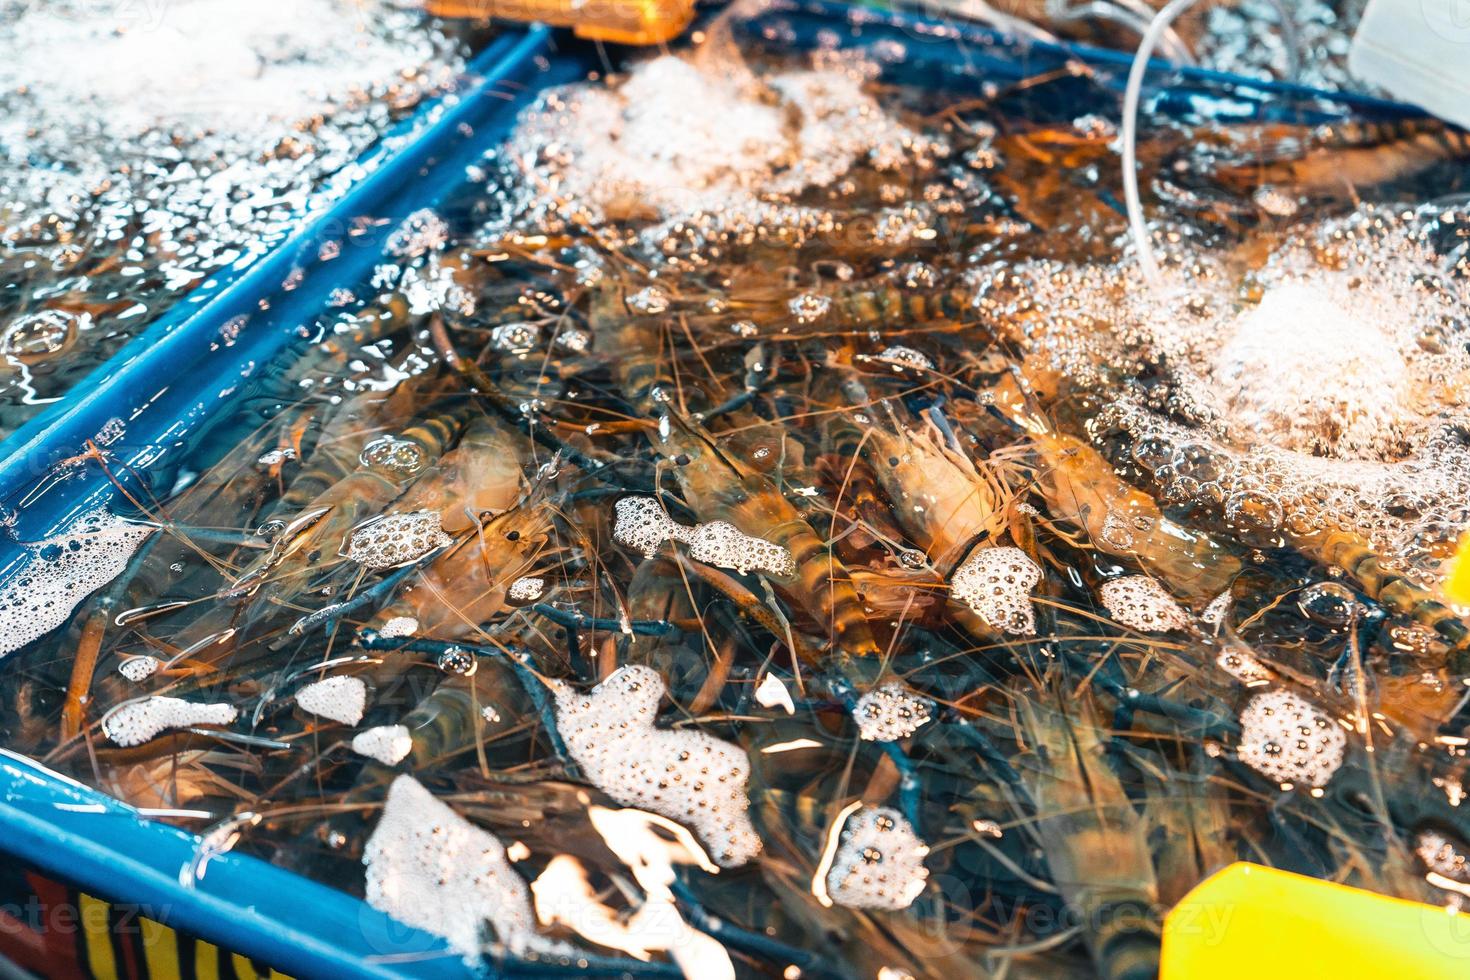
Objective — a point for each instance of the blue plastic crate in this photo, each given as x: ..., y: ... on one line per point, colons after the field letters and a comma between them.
x: 185, y: 372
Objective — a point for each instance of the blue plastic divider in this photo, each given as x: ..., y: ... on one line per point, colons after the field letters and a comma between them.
x: 172, y: 380
x: 945, y: 52
x: 248, y: 906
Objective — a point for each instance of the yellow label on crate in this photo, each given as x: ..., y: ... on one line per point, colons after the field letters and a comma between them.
x: 1256, y: 922
x: 1457, y: 582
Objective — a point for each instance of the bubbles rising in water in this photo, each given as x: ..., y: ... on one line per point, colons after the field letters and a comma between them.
x: 392, y: 453
x: 1329, y: 398
x: 37, y: 336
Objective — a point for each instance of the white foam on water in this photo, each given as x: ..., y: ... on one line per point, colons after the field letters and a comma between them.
x: 396, y: 539
x: 235, y: 63
x: 565, y: 895
x: 388, y: 744
x: 685, y: 775
x: 1244, y: 667
x: 420, y: 233
x: 528, y: 588
x: 1219, y: 607
x: 996, y: 584
x: 1442, y: 856
x: 1285, y: 738
x: 1321, y: 389
x: 399, y: 626
x: 135, y: 722
x: 1318, y: 364
x: 642, y: 524
x: 1140, y: 603
x: 704, y: 135
x: 723, y: 545
x: 430, y: 868
x: 61, y: 571
x: 879, y: 862
x: 340, y: 699
x: 890, y: 712
x: 138, y: 669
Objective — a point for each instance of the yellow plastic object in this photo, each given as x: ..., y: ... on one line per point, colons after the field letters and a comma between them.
x: 615, y: 21
x: 1457, y: 582
x: 1258, y: 923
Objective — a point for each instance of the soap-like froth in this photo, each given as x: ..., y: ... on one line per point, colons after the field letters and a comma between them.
x: 890, y: 712
x: 724, y: 545
x: 996, y: 584
x: 61, y: 571
x: 528, y: 588
x: 396, y: 539
x: 340, y: 699
x: 430, y: 868
x: 1140, y: 603
x: 135, y: 722
x: 642, y: 524
x: 388, y: 744
x: 684, y: 137
x: 138, y: 669
x: 690, y: 777
x: 1331, y: 399
x: 1286, y: 738
x: 879, y: 862
x: 400, y: 626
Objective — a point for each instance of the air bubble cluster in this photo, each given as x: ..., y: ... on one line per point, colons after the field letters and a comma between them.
x: 687, y: 776
x: 528, y: 588
x: 399, y: 626
x: 890, y: 712
x: 1442, y: 856
x: 724, y: 545
x: 1243, y: 666
x: 642, y: 524
x: 136, y: 722
x: 1288, y: 740
x: 388, y: 744
x: 432, y: 869
x: 879, y: 863
x: 1139, y: 602
x: 393, y: 453
x: 707, y: 153
x: 61, y: 571
x: 339, y: 699
x: 396, y: 539
x: 164, y: 143
x: 138, y: 669
x: 1316, y: 391
x: 996, y: 584
x: 421, y: 232
x: 516, y: 338
x: 1218, y: 608
x: 906, y: 357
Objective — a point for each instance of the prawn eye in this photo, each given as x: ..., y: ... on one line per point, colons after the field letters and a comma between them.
x: 682, y: 459
x: 512, y: 535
